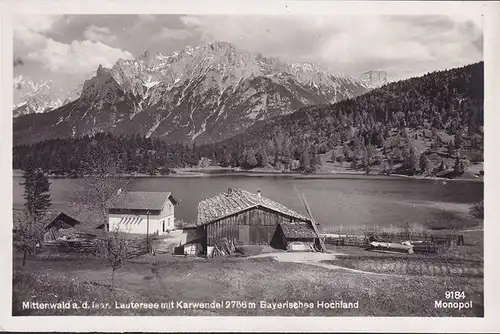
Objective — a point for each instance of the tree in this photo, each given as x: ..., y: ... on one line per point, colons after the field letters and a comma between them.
x: 29, y: 225
x: 460, y: 166
x: 262, y: 158
x: 315, y: 159
x: 458, y: 139
x: 36, y: 192
x: 251, y: 160
x: 409, y: 160
x: 113, y: 249
x: 346, y: 151
x: 99, y: 188
x: 423, y: 163
x: 437, y: 143
x: 451, y: 149
x: 391, y: 166
x: 305, y: 158
x: 333, y: 157
x: 441, y: 166
x: 28, y: 233
x: 354, y: 163
x: 370, y: 151
x: 287, y: 154
x: 225, y: 160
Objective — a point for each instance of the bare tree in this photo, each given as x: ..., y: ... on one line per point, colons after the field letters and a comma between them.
x: 99, y: 187
x: 113, y: 249
x: 28, y: 232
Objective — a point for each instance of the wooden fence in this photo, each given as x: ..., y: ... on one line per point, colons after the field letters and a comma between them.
x: 135, y: 247
x: 346, y: 240
x: 426, y: 243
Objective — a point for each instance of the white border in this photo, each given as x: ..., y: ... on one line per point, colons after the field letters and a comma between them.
x: 301, y: 324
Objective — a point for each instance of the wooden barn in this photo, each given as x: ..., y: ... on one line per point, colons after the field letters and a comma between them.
x: 246, y: 218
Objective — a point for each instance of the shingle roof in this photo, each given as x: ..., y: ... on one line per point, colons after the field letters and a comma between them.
x: 236, y: 200
x: 298, y: 230
x: 139, y: 200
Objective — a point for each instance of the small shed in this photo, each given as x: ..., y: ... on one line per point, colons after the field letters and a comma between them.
x: 296, y: 236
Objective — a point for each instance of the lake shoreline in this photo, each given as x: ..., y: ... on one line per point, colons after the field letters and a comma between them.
x: 224, y: 172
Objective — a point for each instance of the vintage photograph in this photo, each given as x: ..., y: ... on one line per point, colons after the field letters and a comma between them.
x: 248, y: 165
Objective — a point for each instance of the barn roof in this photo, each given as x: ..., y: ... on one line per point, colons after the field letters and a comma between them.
x: 237, y: 200
x: 140, y: 200
x: 298, y: 230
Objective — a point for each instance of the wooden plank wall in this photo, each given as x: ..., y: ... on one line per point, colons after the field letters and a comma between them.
x: 252, y: 227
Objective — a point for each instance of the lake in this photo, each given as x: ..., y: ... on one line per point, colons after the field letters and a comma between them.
x: 343, y: 200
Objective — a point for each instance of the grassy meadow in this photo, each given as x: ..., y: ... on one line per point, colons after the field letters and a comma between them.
x: 400, y: 285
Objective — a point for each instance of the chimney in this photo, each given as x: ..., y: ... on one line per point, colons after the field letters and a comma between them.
x: 118, y: 192
x: 258, y: 192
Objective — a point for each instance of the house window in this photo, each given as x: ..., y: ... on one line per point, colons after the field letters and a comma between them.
x: 163, y: 221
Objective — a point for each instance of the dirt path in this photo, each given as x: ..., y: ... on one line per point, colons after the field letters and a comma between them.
x: 314, y: 259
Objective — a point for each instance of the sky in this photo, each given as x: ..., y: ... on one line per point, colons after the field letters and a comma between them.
x: 68, y: 48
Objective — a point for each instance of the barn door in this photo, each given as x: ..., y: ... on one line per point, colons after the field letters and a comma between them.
x: 244, y: 234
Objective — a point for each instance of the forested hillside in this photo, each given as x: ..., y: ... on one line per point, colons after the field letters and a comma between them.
x: 416, y: 125
x: 434, y: 114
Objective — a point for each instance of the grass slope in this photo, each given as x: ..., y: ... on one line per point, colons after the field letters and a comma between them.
x: 168, y: 278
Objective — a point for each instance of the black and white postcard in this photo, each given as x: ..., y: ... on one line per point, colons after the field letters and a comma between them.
x: 181, y: 165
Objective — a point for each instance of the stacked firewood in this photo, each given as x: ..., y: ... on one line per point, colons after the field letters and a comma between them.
x: 224, y: 247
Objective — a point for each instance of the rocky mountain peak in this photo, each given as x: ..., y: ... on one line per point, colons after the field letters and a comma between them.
x: 374, y: 78
x: 203, y: 93
x: 101, y: 71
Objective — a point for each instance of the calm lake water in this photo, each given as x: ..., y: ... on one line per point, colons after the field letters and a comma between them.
x: 343, y: 200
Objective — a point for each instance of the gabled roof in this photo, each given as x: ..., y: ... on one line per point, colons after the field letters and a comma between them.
x: 140, y: 200
x: 54, y: 217
x: 298, y: 230
x: 50, y: 218
x: 237, y: 200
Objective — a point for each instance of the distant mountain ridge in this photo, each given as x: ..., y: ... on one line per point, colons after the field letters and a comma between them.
x: 203, y: 94
x: 40, y: 97
x: 374, y: 78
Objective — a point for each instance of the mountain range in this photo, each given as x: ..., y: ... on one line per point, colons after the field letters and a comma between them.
x: 424, y: 124
x: 202, y: 94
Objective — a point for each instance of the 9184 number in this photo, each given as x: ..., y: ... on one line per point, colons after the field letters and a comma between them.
x: 455, y: 295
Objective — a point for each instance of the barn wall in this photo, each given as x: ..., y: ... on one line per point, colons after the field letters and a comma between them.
x: 256, y: 226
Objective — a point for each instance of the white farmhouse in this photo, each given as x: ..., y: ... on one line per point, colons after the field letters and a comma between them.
x: 141, y: 212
